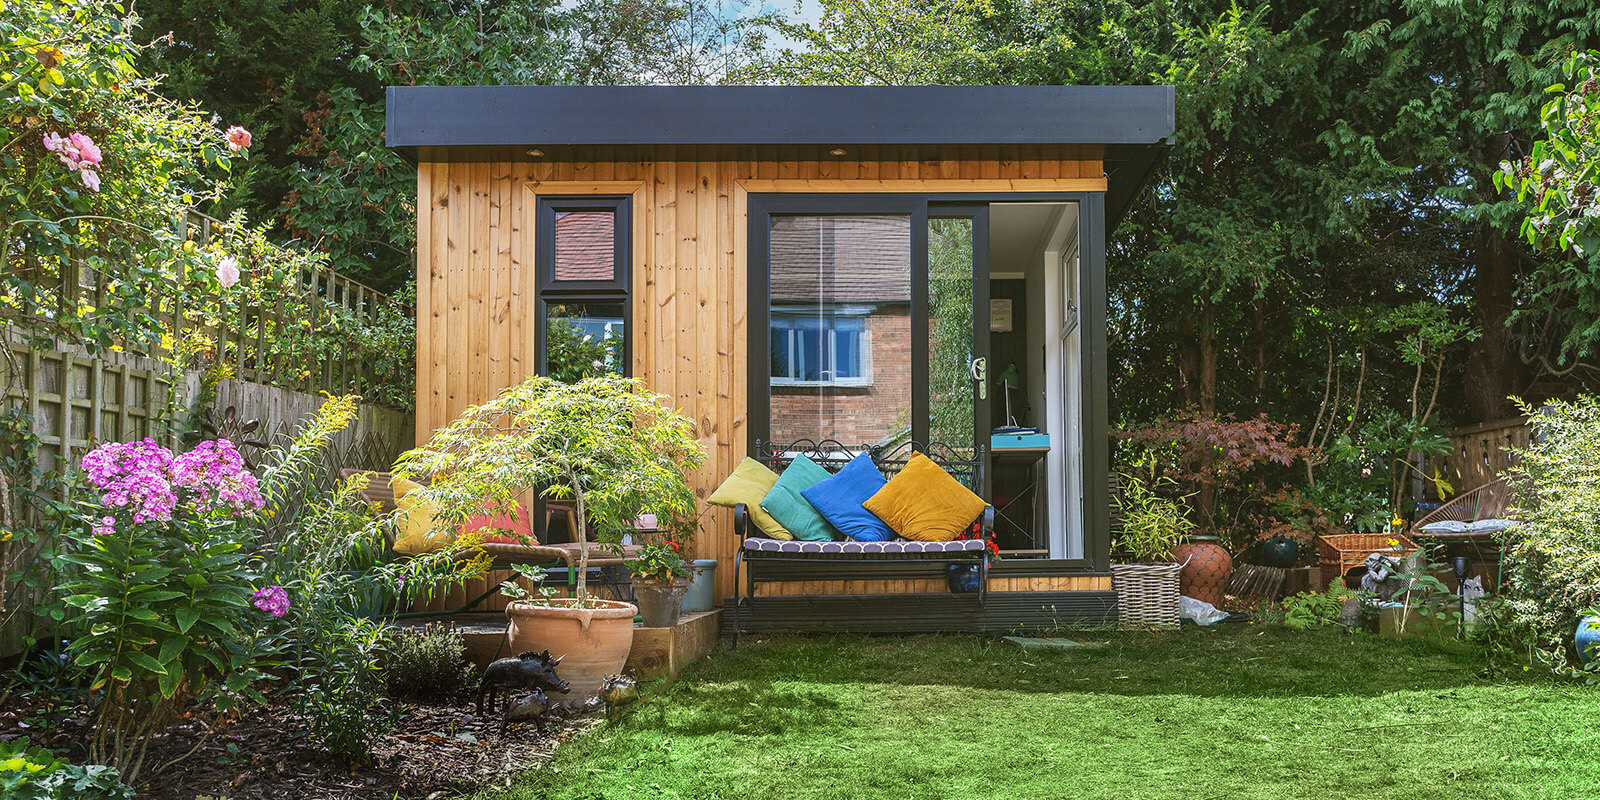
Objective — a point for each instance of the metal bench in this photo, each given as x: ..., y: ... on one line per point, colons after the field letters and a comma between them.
x: 756, y: 553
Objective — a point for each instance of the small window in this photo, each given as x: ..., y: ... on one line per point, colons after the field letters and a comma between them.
x: 583, y: 257
x: 585, y: 246
x: 824, y: 350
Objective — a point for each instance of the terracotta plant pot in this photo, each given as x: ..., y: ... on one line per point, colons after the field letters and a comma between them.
x: 1205, y: 575
x: 594, y: 641
x: 659, y: 603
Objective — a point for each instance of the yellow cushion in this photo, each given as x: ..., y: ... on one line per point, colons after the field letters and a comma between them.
x: 924, y: 503
x: 750, y: 482
x: 414, y: 534
x: 402, y: 487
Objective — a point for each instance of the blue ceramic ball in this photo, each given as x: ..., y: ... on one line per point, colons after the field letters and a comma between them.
x: 1586, y: 637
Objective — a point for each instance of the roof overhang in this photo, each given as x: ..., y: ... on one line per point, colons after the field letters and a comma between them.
x: 1132, y: 123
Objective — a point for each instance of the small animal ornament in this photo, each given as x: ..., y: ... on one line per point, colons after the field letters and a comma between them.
x: 535, y: 672
x: 1381, y: 578
x: 618, y: 691
x: 532, y: 707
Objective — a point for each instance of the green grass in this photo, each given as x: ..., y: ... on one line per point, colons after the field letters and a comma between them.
x: 1242, y: 713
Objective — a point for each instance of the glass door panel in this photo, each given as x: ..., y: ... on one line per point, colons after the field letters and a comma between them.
x: 952, y: 390
x: 839, y: 328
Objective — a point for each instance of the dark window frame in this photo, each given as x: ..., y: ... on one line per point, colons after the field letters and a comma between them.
x: 1092, y: 321
x: 550, y: 291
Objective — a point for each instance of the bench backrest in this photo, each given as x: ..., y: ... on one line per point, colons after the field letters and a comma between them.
x: 832, y: 456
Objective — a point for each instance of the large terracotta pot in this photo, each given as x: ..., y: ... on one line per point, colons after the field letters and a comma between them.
x: 593, y: 641
x: 1205, y: 575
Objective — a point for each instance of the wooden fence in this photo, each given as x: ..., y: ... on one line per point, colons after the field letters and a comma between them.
x: 254, y: 339
x: 1482, y: 453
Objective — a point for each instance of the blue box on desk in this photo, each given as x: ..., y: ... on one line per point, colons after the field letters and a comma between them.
x: 1010, y: 441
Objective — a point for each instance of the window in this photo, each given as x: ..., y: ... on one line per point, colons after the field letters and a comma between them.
x: 582, y: 263
x: 831, y: 349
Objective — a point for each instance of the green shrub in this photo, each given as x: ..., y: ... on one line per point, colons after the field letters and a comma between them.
x: 428, y: 663
x: 1552, y: 558
x: 1315, y: 609
x: 34, y: 773
x: 342, y: 674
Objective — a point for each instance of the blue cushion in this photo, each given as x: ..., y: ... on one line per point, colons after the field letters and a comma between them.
x: 786, y: 505
x: 838, y: 499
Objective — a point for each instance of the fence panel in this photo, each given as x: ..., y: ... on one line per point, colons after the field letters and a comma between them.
x: 1482, y: 453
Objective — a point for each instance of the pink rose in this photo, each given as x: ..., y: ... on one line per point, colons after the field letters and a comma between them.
x: 238, y: 138
x: 90, y: 179
x: 228, y: 271
x: 53, y: 142
x: 88, y: 151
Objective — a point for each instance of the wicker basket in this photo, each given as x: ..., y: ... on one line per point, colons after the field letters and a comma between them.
x: 1147, y: 594
x: 1337, y: 553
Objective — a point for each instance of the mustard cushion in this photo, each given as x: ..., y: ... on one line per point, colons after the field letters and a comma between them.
x: 923, y: 503
x: 750, y: 482
x: 414, y: 534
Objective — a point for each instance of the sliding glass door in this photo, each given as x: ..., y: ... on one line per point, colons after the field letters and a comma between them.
x: 873, y: 312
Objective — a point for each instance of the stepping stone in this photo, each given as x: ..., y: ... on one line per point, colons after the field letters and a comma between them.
x: 1048, y: 643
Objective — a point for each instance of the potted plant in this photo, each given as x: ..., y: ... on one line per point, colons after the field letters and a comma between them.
x: 602, y: 444
x: 1152, y: 525
x: 660, y: 577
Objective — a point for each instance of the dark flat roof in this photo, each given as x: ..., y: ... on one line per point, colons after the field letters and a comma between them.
x: 555, y: 116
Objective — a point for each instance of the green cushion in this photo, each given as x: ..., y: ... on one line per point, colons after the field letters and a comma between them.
x: 750, y: 482
x: 790, y: 509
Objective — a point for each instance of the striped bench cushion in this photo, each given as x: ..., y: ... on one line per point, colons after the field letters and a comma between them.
x: 896, y: 549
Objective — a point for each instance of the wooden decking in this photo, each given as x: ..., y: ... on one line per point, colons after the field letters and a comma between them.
x: 932, y: 612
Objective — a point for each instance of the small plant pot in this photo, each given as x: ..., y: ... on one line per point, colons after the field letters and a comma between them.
x: 700, y: 596
x: 660, y: 604
x: 594, y: 641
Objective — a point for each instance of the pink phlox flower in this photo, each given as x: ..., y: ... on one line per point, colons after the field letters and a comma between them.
x: 271, y: 599
x: 215, y: 471
x: 105, y: 526
x: 133, y: 474
x: 238, y: 138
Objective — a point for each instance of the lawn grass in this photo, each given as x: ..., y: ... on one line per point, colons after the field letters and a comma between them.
x: 1244, y: 713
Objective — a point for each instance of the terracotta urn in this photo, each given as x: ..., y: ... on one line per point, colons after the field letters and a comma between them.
x: 1206, y: 567
x: 594, y: 641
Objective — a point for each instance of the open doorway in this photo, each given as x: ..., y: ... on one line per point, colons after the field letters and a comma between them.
x: 1035, y: 372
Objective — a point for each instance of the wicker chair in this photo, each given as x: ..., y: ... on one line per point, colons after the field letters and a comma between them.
x: 1489, y: 501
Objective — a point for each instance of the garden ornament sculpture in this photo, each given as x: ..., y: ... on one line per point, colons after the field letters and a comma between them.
x: 1382, y: 578
x: 534, y: 672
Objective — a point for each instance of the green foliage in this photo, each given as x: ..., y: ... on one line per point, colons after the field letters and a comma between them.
x: 341, y: 667
x: 1552, y: 556
x: 428, y: 663
x: 314, y: 89
x: 1560, y: 177
x: 613, y: 450
x: 1315, y: 609
x: 34, y: 773
x: 1151, y: 524
x: 68, y: 67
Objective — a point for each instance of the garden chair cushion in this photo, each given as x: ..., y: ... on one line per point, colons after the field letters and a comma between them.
x: 749, y: 483
x: 416, y: 535
x: 838, y: 499
x: 924, y: 503
x: 791, y: 509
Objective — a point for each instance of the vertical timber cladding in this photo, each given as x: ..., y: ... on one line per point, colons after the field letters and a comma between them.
x: 475, y: 273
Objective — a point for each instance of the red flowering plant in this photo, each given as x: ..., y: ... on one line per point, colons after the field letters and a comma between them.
x: 661, y: 562
x: 974, y: 532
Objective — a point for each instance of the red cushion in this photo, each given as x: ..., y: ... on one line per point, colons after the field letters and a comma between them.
x: 520, y: 525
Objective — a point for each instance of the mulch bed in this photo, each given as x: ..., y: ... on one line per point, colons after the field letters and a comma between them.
x: 442, y: 750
